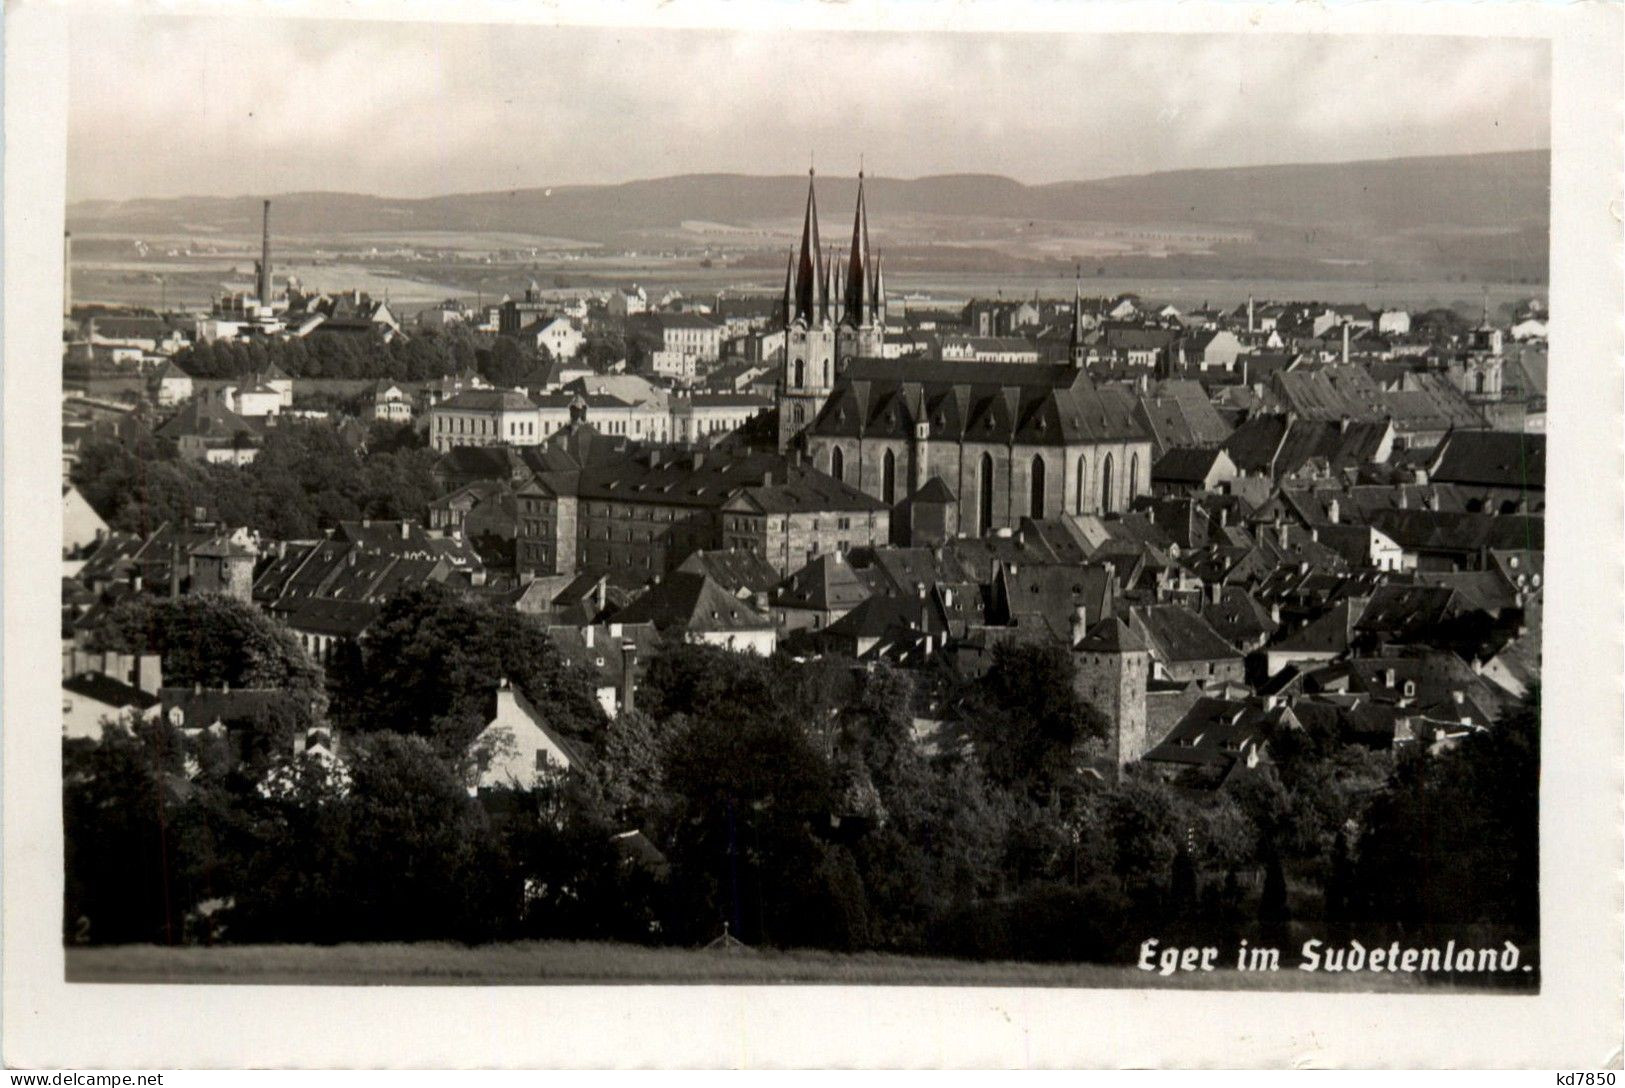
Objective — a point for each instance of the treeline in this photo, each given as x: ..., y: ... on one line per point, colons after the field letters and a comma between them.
x: 307, y: 477
x: 501, y: 360
x: 793, y: 802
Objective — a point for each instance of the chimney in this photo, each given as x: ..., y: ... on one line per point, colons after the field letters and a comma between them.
x: 1281, y: 533
x: 1215, y: 592
x: 406, y: 529
x: 265, y: 257
x: 149, y: 673
x: 587, y: 635
x: 1345, y: 341
x: 1433, y: 500
x: 1333, y: 511
x: 1387, y: 678
x: 629, y: 664
x: 1080, y: 624
x: 1250, y: 326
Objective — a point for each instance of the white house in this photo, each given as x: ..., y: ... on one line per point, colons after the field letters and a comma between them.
x: 559, y: 336
x: 1394, y: 323
x: 1530, y: 328
x: 628, y: 302
x: 81, y: 525
x: 91, y: 700
x: 174, y: 385
x: 391, y: 403
x: 516, y: 748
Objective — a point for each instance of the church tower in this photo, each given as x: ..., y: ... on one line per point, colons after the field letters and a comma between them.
x: 1077, y: 352
x: 808, y: 372
x: 862, y: 318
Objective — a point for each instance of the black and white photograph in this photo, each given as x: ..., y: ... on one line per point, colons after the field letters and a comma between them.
x: 670, y: 507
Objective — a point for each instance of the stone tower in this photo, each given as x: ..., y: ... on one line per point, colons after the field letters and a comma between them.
x: 1113, y: 663
x: 221, y: 566
x: 808, y: 371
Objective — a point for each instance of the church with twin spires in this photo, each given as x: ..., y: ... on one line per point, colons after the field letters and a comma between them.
x: 984, y: 444
x: 834, y: 311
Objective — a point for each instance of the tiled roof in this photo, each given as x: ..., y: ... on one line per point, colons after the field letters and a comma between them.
x: 692, y: 602
x: 1492, y: 459
x: 1177, y: 634
x: 108, y: 691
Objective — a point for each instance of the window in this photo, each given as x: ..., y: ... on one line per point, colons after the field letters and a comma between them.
x: 1083, y: 481
x: 984, y: 506
x: 1106, y: 485
x: 1133, y: 476
x: 888, y: 479
x: 1035, y: 502
x: 799, y: 375
x: 837, y: 464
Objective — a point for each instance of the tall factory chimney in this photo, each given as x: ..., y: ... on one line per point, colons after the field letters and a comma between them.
x: 67, y: 273
x: 265, y: 259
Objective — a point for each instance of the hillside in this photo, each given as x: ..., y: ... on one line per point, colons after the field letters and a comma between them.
x: 1443, y: 193
x: 1476, y: 218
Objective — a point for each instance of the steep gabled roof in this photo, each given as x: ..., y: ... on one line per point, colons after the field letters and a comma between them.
x: 694, y: 603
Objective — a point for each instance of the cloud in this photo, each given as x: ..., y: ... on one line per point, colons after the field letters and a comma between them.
x: 169, y: 105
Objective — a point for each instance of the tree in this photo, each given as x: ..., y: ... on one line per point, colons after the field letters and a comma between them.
x: 218, y: 641
x: 630, y: 772
x: 124, y: 880
x: 433, y: 658
x: 1026, y: 718
x: 1454, y: 838
x: 748, y: 793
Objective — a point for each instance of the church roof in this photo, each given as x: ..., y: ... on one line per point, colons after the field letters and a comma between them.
x: 1036, y: 404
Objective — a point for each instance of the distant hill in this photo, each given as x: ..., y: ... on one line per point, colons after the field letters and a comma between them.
x: 1458, y: 214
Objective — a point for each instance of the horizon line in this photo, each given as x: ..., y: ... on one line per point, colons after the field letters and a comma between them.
x: 868, y: 176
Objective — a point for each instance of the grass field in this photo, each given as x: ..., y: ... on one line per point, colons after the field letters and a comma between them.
x: 559, y: 962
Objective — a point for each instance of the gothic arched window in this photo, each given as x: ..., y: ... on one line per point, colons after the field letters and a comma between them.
x: 837, y: 463
x: 984, y: 506
x: 1133, y: 477
x: 888, y: 478
x: 1083, y: 482
x: 1035, y: 502
x: 1106, y: 485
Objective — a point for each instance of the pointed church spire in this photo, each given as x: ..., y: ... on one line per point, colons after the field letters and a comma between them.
x: 1076, y: 344
x: 809, y: 270
x: 836, y: 288
x: 877, y: 296
x: 790, y: 286
x: 858, y: 263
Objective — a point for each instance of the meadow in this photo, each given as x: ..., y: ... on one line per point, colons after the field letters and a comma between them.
x: 590, y: 963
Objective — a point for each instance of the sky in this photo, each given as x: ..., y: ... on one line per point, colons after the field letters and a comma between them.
x: 168, y: 106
